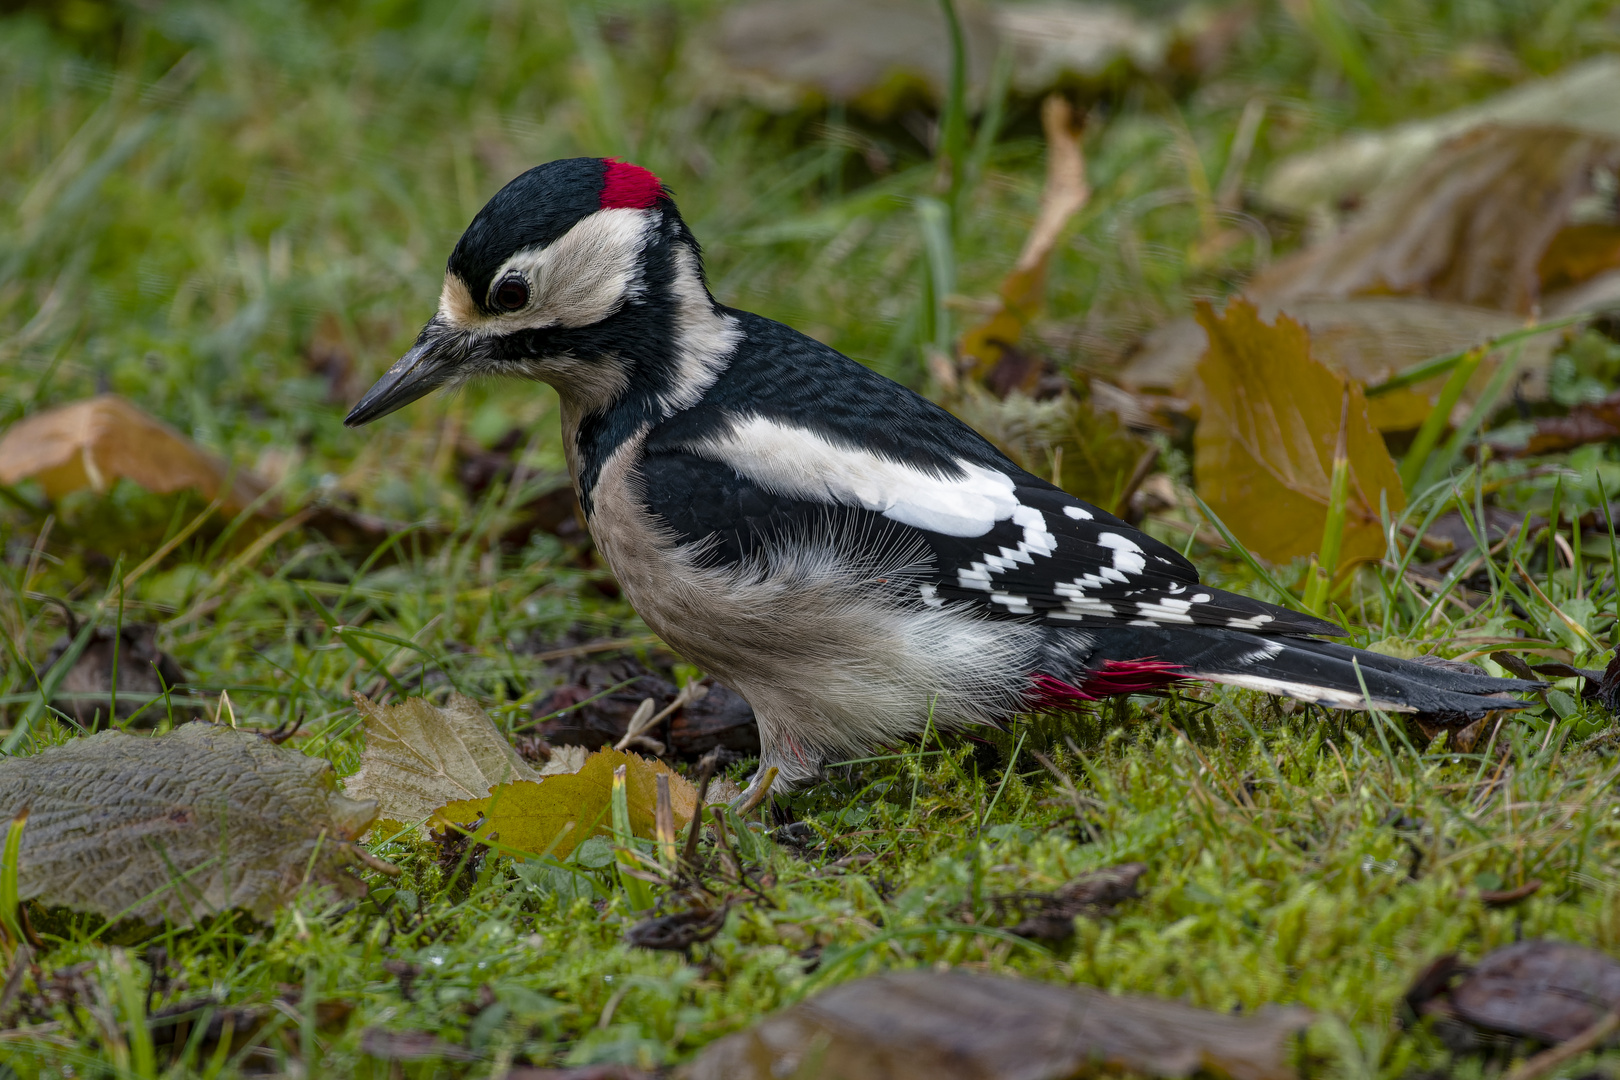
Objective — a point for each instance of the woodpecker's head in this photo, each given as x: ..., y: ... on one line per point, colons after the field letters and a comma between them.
x: 580, y: 273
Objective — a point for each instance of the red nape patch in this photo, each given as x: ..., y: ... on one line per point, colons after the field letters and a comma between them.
x: 1114, y: 677
x: 629, y: 187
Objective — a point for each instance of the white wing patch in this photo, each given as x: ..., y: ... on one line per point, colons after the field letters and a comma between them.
x: 1128, y: 555
x: 797, y: 462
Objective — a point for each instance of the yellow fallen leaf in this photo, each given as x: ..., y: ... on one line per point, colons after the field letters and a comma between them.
x: 1263, y: 451
x: 557, y: 812
x: 1366, y: 339
x: 95, y: 442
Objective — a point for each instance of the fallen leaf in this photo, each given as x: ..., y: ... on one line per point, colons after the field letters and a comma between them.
x: 1544, y: 990
x: 1578, y: 254
x: 879, y: 56
x: 875, y: 55
x: 178, y: 826
x: 952, y: 1025
x: 1470, y: 226
x: 679, y: 931
x: 1050, y: 916
x: 1595, y: 422
x: 144, y: 673
x: 554, y: 813
x: 1602, y: 686
x: 1023, y: 291
x: 419, y: 756
x: 1264, y: 446
x: 1366, y: 339
x: 1346, y: 172
x: 94, y: 443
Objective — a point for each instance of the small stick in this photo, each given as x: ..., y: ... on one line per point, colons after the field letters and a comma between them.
x: 379, y: 865
x: 706, y: 769
x: 644, y: 719
x: 1549, y: 1059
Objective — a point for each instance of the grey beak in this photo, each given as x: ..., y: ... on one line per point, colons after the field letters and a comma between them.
x: 418, y: 373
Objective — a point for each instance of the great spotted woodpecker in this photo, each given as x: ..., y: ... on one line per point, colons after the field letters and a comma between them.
x: 847, y: 555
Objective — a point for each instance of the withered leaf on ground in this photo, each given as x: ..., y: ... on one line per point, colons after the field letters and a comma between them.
x: 1601, y: 686
x: 1345, y: 172
x: 1265, y: 443
x: 952, y: 1025
x: 92, y: 444
x: 144, y: 672
x: 95, y: 442
x: 1050, y: 916
x: 419, y: 756
x: 679, y: 931
x: 1366, y: 339
x: 1584, y: 424
x: 1471, y: 226
x: 882, y: 55
x: 178, y: 826
x: 553, y: 814
x: 1544, y: 990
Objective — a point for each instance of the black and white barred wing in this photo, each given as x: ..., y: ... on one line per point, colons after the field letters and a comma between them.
x: 998, y: 539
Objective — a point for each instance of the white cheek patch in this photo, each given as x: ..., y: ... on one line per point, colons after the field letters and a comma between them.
x: 798, y: 462
x: 582, y: 277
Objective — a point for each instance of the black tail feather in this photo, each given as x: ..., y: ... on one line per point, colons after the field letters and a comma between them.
x: 1321, y: 672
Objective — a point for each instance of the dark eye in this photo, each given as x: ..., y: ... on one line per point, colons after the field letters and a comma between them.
x: 511, y: 294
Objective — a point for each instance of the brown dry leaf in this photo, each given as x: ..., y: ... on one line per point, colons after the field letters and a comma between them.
x: 95, y: 442
x: 1366, y: 339
x: 1023, y: 290
x: 419, y: 756
x: 952, y: 1025
x: 881, y: 56
x: 1470, y: 226
x: 1578, y: 254
x: 178, y: 826
x: 1263, y: 451
x: 1544, y: 990
x: 1593, y: 422
x: 555, y: 813
x: 1346, y: 172
x: 144, y: 672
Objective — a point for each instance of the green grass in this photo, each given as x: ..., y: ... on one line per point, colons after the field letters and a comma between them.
x: 193, y: 198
